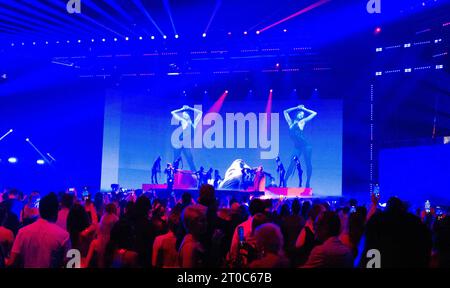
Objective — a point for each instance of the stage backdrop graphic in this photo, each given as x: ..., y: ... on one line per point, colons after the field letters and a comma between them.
x: 137, y: 129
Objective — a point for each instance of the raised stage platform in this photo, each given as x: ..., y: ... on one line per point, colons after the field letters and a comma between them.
x: 269, y: 192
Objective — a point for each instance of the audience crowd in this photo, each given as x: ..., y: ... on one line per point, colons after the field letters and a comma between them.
x: 142, y: 230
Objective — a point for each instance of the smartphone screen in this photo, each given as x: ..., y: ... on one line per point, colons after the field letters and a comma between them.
x: 241, y: 233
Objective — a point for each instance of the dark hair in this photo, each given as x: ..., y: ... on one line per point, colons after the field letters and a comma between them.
x: 395, y: 206
x: 332, y: 222
x: 207, y: 195
x: 284, y: 210
x: 48, y: 207
x: 13, y: 192
x: 306, y: 207
x: 258, y: 220
x: 142, y: 206
x: 111, y: 208
x: 174, y: 221
x: 77, y: 221
x: 122, y: 236
x: 67, y: 201
x: 314, y: 211
x: 295, y: 207
x: 186, y: 198
x: 256, y: 206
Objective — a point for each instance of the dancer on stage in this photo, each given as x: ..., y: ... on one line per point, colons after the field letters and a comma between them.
x: 176, y: 163
x: 201, y: 176
x: 298, y: 165
x: 156, y: 168
x: 302, y: 146
x: 170, y: 172
x: 281, y: 172
x: 217, y: 179
x: 186, y: 122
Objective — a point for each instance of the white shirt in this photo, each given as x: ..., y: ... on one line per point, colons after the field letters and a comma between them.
x: 41, y: 244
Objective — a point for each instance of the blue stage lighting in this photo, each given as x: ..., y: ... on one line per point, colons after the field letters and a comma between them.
x: 115, y: 39
x: 140, y: 37
x: 68, y: 41
x: 57, y: 42
x: 12, y: 160
x: 23, y: 44
x: 153, y: 37
x: 176, y: 36
x: 40, y: 162
x: 204, y: 35
x: 79, y: 41
x: 46, y: 42
x: 165, y: 36
x: 257, y: 32
x: 126, y: 38
x: 245, y: 32
x: 34, y: 43
x: 103, y: 40
x: 92, y: 40
x: 12, y: 44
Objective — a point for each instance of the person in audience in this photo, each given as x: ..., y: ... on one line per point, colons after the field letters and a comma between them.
x: 13, y: 206
x: 306, y: 240
x: 144, y: 231
x: 306, y: 206
x: 119, y: 252
x: 248, y: 250
x: 191, y: 251
x: 400, y: 237
x: 6, y: 238
x: 96, y: 253
x: 165, y: 254
x: 269, y: 242
x: 332, y: 253
x: 30, y: 211
x: 66, y: 204
x: 41, y: 244
x: 256, y: 206
x: 292, y: 225
x: 80, y: 229
x: 441, y: 255
x: 351, y: 235
x: 217, y: 238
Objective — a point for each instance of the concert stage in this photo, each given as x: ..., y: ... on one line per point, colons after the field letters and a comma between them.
x: 269, y: 192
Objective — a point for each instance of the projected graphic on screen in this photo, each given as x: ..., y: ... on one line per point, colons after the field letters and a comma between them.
x: 300, y: 140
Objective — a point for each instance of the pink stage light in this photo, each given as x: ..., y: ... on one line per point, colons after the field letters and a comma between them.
x: 304, y: 10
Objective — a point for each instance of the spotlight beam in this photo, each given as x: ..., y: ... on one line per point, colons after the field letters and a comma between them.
x: 6, y: 134
x: 142, y: 8
x: 169, y: 12
x: 62, y: 5
x: 217, y: 106
x: 63, y: 17
x: 97, y: 8
x: 213, y: 15
x: 38, y: 151
x: 304, y: 10
x: 44, y: 11
x: 30, y: 23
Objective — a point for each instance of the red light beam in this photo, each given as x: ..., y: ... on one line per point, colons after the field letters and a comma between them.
x: 304, y: 10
